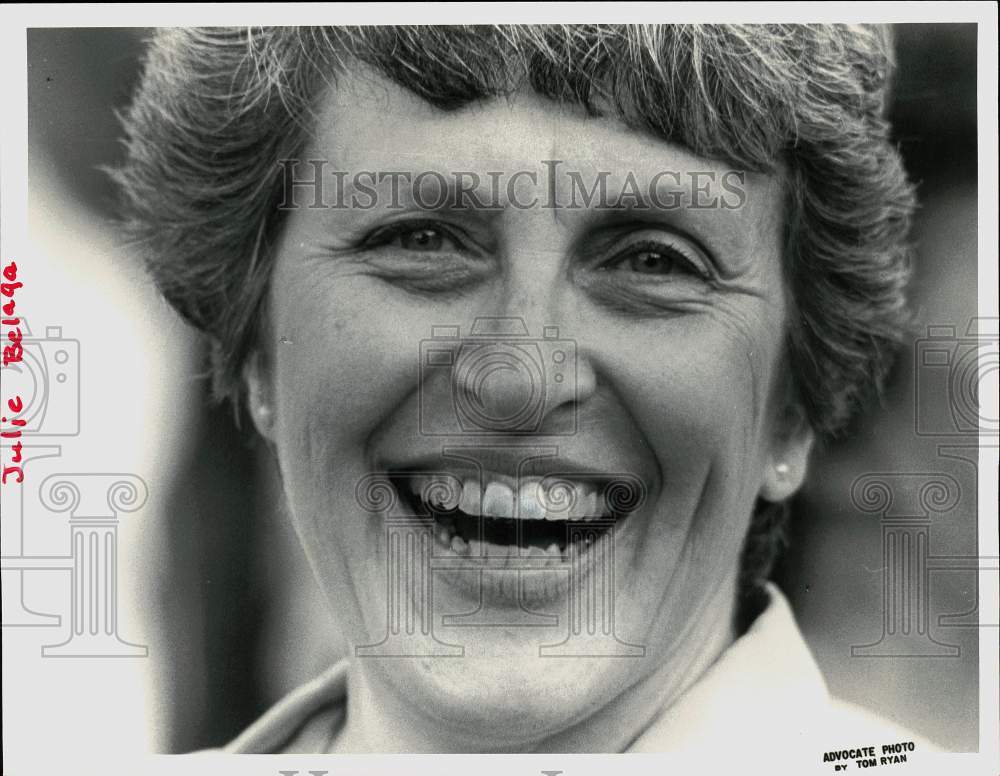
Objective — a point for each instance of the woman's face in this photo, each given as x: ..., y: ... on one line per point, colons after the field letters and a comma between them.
x: 670, y: 323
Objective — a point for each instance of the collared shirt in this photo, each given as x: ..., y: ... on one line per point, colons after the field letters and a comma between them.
x: 763, y: 700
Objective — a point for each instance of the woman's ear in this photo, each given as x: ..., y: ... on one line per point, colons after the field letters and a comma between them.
x: 785, y: 469
x: 260, y: 394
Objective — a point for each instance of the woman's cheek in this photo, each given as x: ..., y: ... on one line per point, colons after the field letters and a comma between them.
x: 697, y: 388
x: 343, y: 357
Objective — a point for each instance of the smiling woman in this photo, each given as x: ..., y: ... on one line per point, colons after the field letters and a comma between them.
x: 536, y: 455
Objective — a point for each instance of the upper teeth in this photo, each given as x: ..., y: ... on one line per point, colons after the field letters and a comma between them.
x: 533, y: 499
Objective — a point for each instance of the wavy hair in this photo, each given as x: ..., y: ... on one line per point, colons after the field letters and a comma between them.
x: 216, y: 109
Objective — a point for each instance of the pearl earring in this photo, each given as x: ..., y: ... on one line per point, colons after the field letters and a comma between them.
x: 782, y: 470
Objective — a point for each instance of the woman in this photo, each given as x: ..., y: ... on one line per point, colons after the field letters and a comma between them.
x: 540, y: 325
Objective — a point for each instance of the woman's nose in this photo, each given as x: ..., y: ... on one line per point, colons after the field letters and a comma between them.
x: 510, y: 378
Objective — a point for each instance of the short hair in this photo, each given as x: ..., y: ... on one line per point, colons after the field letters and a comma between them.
x: 217, y: 108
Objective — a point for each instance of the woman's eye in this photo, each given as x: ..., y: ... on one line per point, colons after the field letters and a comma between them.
x: 425, y: 257
x: 655, y: 260
x: 423, y: 239
x: 651, y: 263
x: 416, y: 239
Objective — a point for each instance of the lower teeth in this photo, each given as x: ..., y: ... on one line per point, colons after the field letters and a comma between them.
x: 460, y: 533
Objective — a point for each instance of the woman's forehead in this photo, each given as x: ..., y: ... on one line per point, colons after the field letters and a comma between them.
x: 368, y: 122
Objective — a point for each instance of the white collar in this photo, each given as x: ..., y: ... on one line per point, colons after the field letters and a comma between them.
x: 766, y: 681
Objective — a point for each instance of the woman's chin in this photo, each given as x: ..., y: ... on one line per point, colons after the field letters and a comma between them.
x: 511, y: 703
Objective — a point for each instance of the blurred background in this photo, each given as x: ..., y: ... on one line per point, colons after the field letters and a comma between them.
x: 219, y: 587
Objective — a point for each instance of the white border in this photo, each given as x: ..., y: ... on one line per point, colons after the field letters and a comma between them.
x: 182, y: 14
x: 15, y: 19
x: 989, y: 454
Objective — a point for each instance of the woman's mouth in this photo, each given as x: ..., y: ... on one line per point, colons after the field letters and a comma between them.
x: 533, y: 523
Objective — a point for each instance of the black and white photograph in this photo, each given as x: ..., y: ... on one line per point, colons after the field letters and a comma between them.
x: 388, y: 382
